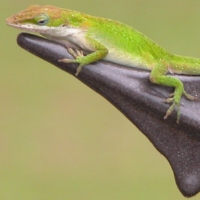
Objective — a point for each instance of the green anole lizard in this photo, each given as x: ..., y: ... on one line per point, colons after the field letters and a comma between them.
x: 111, y: 41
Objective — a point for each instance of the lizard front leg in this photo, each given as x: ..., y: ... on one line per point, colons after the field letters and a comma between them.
x: 99, y: 53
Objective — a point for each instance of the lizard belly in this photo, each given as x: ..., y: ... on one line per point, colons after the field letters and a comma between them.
x: 126, y: 59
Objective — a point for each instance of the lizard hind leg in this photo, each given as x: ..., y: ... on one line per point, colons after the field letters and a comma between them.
x: 158, y: 76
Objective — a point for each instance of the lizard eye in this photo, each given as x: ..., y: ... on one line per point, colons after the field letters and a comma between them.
x: 42, y: 19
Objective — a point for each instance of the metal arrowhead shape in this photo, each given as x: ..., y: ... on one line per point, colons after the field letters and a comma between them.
x: 130, y: 91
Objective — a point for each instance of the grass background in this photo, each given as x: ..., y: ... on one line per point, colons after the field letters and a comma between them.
x: 58, y: 138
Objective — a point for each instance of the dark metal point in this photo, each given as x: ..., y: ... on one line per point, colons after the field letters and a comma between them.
x: 130, y: 91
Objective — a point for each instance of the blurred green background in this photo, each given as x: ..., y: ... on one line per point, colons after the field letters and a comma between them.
x: 61, y: 140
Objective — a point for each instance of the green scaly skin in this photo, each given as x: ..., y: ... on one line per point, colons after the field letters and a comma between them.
x: 111, y: 41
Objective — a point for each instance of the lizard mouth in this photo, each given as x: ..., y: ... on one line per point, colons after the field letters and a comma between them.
x: 34, y: 28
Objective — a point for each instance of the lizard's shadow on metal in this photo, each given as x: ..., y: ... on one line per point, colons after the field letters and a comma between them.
x: 131, y: 92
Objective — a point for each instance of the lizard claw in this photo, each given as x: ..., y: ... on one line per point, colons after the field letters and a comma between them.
x: 170, y: 110
x: 76, y: 54
x: 171, y: 95
x: 169, y: 100
x: 66, y: 60
x: 190, y: 97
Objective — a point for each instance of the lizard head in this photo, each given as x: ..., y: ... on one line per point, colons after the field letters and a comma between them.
x: 36, y: 15
x: 46, y: 20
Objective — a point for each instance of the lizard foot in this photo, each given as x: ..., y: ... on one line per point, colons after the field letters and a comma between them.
x: 176, y: 103
x: 77, y: 54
